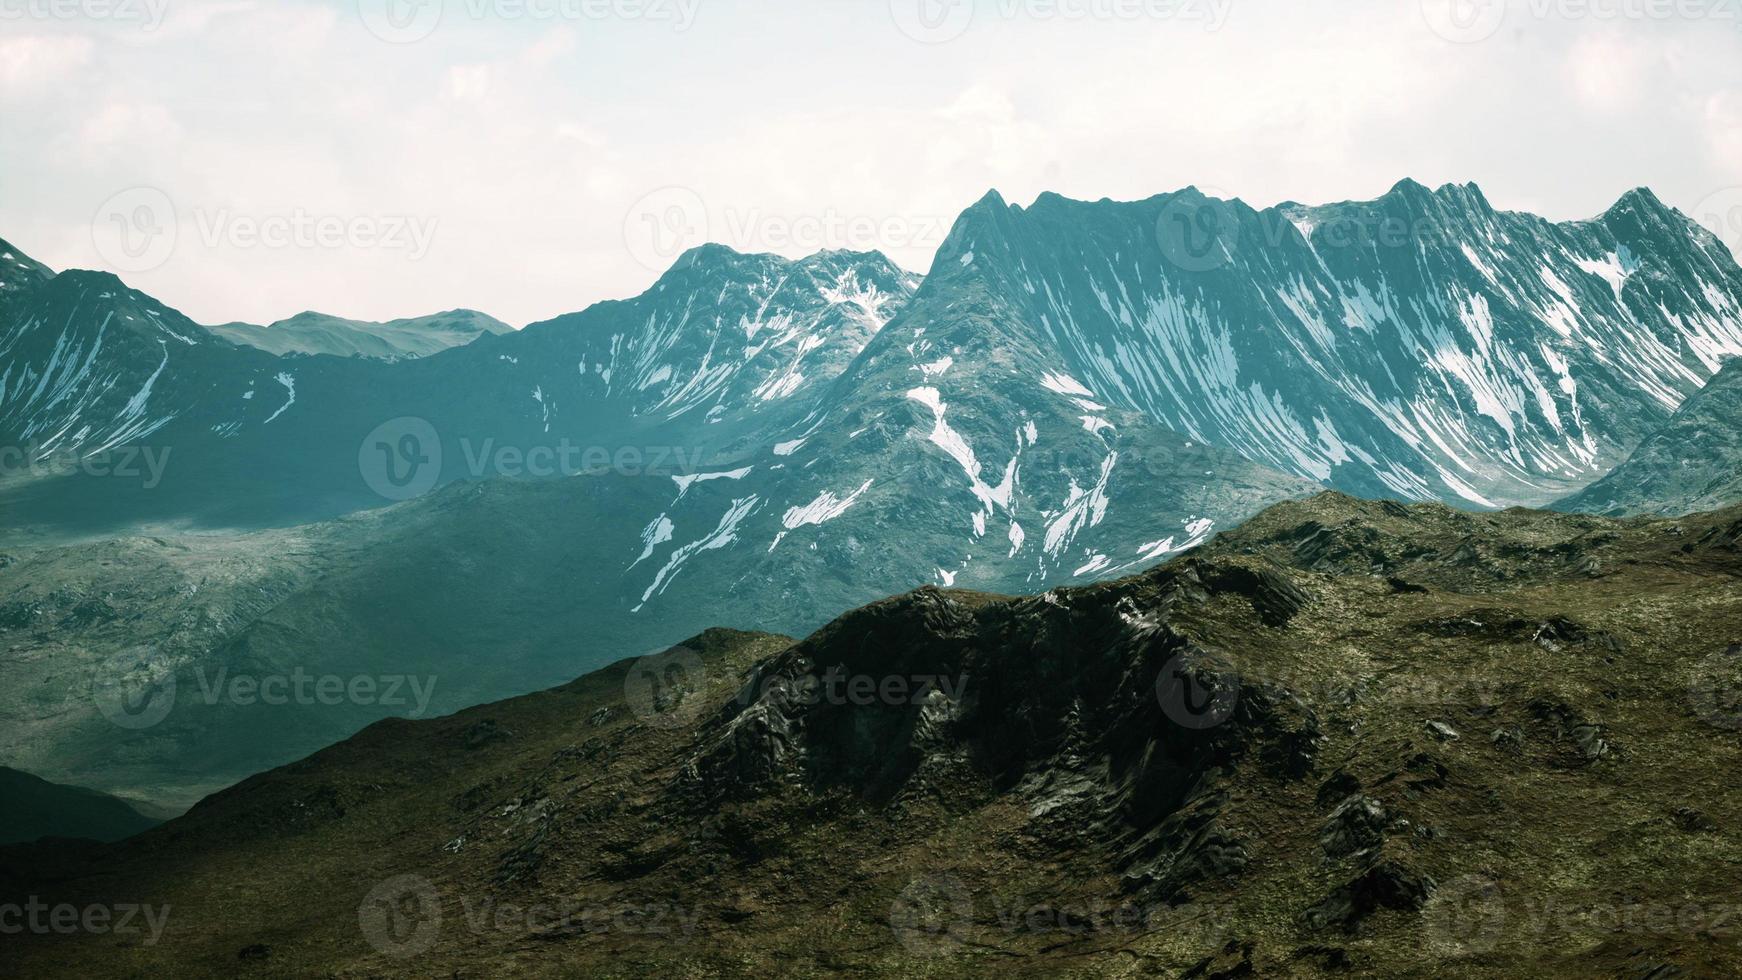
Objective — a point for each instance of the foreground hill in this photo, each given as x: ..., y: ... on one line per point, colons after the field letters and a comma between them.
x: 1347, y: 739
x: 320, y: 333
x: 1693, y: 463
x: 36, y: 808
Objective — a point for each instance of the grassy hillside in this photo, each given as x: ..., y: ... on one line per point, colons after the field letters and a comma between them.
x: 1349, y: 739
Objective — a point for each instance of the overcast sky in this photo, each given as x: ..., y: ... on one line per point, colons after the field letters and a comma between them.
x: 369, y: 158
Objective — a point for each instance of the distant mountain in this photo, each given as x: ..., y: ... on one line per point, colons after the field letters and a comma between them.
x: 1350, y: 738
x: 1421, y: 346
x: 318, y: 333
x: 1693, y: 463
x: 36, y: 808
x: 19, y: 272
x: 88, y: 365
x: 259, y: 440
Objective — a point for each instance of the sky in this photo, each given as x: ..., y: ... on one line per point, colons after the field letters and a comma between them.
x: 250, y: 159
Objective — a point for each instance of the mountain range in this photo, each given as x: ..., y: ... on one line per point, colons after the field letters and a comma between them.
x: 1075, y: 391
x: 319, y: 333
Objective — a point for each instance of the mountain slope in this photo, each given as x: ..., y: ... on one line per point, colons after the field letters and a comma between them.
x: 1499, y: 756
x: 85, y: 367
x: 18, y: 271
x: 36, y: 808
x: 1423, y: 345
x: 469, y: 594
x: 318, y: 333
x: 1693, y: 463
x: 293, y: 454
x: 794, y: 454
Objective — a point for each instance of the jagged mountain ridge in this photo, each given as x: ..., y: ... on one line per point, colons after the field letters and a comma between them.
x: 86, y: 366
x: 1422, y: 346
x: 19, y: 271
x: 774, y: 329
x: 521, y: 390
x: 1693, y: 463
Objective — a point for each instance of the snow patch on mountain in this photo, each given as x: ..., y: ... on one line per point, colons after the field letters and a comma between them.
x: 722, y: 536
x: 288, y: 380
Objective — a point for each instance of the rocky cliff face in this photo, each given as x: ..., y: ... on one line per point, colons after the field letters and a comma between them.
x: 1420, y: 346
x: 1693, y: 463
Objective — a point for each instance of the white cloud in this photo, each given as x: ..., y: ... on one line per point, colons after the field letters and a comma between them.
x: 529, y: 141
x: 469, y: 83
x: 34, y: 62
x: 1608, y: 71
x: 1723, y: 118
x: 121, y: 128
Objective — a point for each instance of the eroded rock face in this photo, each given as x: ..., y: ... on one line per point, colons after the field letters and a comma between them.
x: 1103, y: 712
